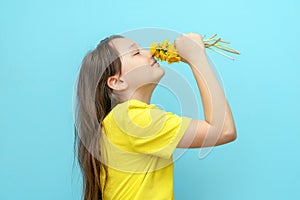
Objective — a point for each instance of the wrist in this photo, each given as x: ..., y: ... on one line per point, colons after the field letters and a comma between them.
x: 197, y: 59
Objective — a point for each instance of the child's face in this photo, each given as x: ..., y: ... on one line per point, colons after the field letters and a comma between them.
x: 139, y: 67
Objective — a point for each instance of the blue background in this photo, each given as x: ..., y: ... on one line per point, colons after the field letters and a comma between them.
x: 43, y: 42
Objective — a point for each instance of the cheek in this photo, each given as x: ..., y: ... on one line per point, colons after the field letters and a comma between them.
x: 129, y: 64
x: 125, y: 65
x: 134, y: 65
x: 143, y: 75
x: 138, y: 72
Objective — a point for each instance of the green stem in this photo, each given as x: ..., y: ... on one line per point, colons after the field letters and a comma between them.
x: 221, y: 53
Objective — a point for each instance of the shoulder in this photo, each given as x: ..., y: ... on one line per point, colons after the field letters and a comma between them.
x: 134, y: 107
x: 136, y: 112
x: 130, y: 110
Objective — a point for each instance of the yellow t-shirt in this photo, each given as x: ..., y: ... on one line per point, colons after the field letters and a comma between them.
x: 136, y: 145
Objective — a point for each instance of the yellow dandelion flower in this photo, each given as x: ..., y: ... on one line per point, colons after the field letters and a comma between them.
x: 173, y: 59
x: 157, y: 55
x: 153, y: 48
x: 165, y: 44
x: 165, y: 52
x: 172, y: 49
x: 162, y: 55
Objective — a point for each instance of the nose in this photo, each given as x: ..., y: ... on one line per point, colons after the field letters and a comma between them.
x: 148, y: 53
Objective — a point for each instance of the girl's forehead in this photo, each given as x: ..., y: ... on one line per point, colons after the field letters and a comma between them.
x: 124, y: 45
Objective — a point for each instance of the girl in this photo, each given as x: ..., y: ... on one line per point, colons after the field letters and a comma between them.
x: 124, y: 143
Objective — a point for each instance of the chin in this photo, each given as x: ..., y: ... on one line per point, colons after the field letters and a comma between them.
x: 161, y: 73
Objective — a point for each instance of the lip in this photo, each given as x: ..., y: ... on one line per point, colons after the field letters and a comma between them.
x: 154, y: 62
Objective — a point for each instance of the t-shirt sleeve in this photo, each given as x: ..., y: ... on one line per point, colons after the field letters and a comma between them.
x: 150, y: 130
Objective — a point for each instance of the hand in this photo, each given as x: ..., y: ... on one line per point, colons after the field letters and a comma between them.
x: 190, y: 47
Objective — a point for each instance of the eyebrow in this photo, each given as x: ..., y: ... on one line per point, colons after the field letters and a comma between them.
x: 133, y: 46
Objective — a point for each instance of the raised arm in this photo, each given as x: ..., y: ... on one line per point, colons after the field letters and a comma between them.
x: 218, y: 127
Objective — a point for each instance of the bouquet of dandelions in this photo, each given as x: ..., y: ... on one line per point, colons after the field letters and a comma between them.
x: 167, y: 52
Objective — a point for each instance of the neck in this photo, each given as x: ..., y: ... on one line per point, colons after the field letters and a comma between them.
x: 141, y: 97
x: 142, y: 94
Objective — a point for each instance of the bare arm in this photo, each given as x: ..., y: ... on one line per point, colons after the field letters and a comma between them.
x: 218, y: 127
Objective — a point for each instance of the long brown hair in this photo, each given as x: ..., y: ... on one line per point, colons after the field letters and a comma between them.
x: 92, y: 103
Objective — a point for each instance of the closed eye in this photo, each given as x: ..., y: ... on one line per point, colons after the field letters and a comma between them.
x: 136, y: 53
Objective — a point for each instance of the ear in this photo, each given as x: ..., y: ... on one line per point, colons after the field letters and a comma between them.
x: 115, y: 83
